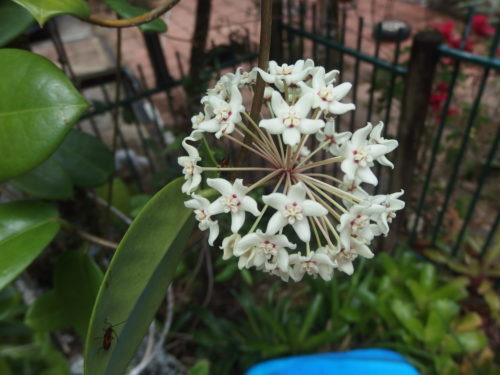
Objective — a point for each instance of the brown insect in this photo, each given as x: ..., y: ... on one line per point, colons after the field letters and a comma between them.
x: 109, y: 335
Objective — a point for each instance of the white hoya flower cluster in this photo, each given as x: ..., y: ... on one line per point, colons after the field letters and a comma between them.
x: 316, y: 222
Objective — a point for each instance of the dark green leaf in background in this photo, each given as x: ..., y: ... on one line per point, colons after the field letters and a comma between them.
x: 44, y: 10
x: 14, y: 20
x: 38, y: 106
x: 47, y: 181
x: 87, y: 160
x: 26, y: 228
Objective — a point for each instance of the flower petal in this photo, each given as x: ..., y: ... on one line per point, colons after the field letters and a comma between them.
x: 276, y: 222
x: 291, y: 136
x: 342, y: 90
x: 297, y: 193
x: 302, y: 229
x: 308, y: 126
x: 221, y: 185
x: 312, y: 208
x: 273, y: 126
x: 338, y: 108
x: 249, y: 204
x: 237, y: 220
x: 275, y: 200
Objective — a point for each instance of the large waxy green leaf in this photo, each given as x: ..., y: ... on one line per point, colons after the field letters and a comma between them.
x: 87, y: 160
x: 47, y: 181
x: 127, y: 10
x: 14, y: 20
x: 137, y: 279
x: 38, y: 106
x: 26, y: 228
x: 44, y: 10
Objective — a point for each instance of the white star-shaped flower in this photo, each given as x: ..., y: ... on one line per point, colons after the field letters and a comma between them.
x: 225, y: 115
x: 359, y: 156
x: 335, y: 139
x: 228, y: 244
x: 317, y: 263
x: 200, y: 205
x: 233, y: 200
x: 356, y: 223
x: 326, y: 96
x: 291, y: 121
x: 344, y: 257
x: 391, y: 204
x: 190, y: 169
x: 264, y: 250
x: 293, y: 209
x: 377, y: 139
x: 285, y: 74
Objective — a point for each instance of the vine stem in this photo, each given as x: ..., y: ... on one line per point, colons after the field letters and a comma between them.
x: 161, y: 9
x: 320, y: 163
x: 266, y: 19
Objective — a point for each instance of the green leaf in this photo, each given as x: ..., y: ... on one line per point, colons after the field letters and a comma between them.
x: 311, y: 315
x: 47, y: 181
x: 26, y: 228
x: 201, y: 367
x: 137, y: 203
x: 87, y: 160
x: 38, y: 107
x: 435, y: 328
x: 469, y: 322
x: 465, y: 342
x: 137, y: 279
x: 47, y: 313
x: 77, y: 279
x: 406, y: 315
x: 121, y: 195
x: 446, y: 309
x: 14, y: 20
x: 44, y: 10
x: 126, y: 10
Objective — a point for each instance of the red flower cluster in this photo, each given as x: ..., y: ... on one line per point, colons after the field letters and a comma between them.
x: 437, y: 99
x: 481, y: 26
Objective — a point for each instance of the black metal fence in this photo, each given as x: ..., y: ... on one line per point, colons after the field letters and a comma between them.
x: 447, y: 162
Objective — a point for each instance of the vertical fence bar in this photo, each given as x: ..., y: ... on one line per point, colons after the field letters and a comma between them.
x: 465, y: 140
x: 277, y: 45
x: 374, y: 76
x: 315, y: 31
x: 418, y: 85
x: 437, y: 138
x: 477, y: 192
x: 356, y: 69
x: 342, y: 30
x: 492, y: 233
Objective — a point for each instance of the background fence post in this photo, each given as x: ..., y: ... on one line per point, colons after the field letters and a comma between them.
x: 418, y: 86
x: 277, y: 42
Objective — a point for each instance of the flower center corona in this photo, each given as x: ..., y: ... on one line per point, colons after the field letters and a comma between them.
x: 291, y: 120
x: 231, y: 203
x: 362, y: 157
x: 293, y: 213
x: 326, y: 94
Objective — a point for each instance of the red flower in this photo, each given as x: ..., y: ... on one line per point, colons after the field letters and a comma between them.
x: 442, y: 87
x: 445, y: 29
x: 481, y: 26
x: 436, y: 100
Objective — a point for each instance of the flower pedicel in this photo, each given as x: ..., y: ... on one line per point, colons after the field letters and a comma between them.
x: 316, y: 222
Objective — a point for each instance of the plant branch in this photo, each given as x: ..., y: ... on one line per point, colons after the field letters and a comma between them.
x: 164, y: 7
x: 266, y: 18
x: 70, y: 228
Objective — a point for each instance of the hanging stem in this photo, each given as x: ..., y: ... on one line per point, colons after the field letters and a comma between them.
x: 320, y: 163
x: 266, y: 18
x: 163, y: 8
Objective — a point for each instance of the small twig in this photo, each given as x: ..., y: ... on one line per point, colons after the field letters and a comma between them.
x: 70, y: 228
x: 127, y: 220
x: 163, y: 8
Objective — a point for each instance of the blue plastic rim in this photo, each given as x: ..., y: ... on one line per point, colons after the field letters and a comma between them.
x: 354, y: 362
